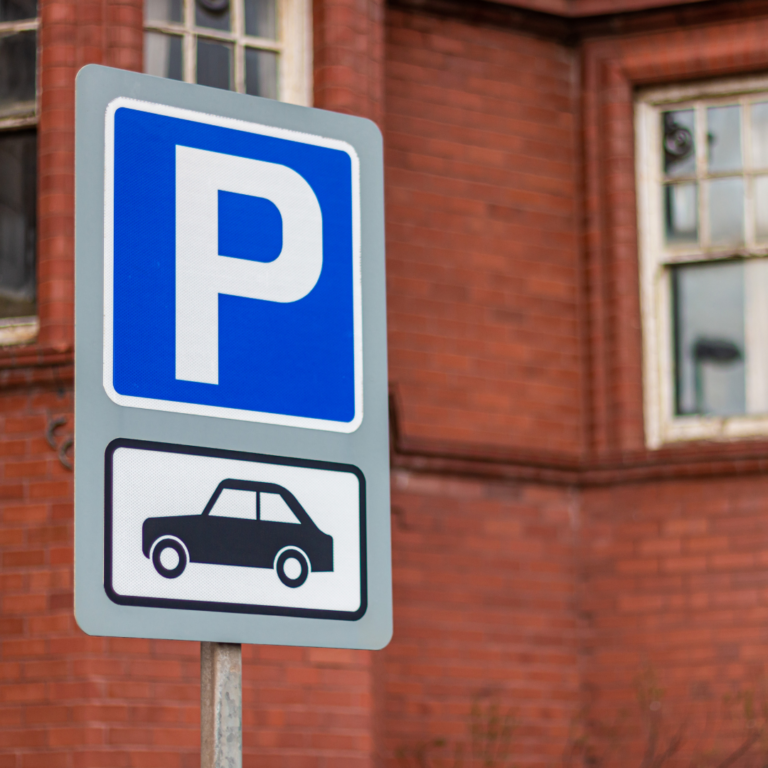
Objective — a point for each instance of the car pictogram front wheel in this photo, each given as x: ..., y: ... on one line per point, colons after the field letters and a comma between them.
x: 292, y: 567
x: 169, y: 558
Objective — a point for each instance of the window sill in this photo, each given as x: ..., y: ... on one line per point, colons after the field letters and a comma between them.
x: 18, y: 330
x: 19, y: 116
x: 32, y: 355
x: 724, y: 428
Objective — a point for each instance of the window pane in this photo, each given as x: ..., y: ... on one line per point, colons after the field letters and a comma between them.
x: 261, y: 18
x: 724, y: 138
x: 261, y: 73
x: 726, y: 211
x: 681, y: 213
x: 274, y: 509
x: 760, y: 135
x: 679, y: 143
x: 162, y: 55
x: 761, y: 207
x: 709, y: 335
x: 214, y: 64
x: 213, y: 14
x: 234, y: 503
x: 163, y: 10
x: 17, y: 70
x: 16, y: 10
x: 18, y: 217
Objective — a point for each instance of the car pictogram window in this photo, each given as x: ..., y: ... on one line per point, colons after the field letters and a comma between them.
x: 275, y: 510
x: 235, y: 503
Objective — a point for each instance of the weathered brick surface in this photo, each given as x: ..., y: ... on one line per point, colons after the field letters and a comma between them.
x: 675, y: 581
x: 485, y: 586
x: 579, y: 8
x: 73, y: 33
x: 482, y: 234
x: 348, y: 56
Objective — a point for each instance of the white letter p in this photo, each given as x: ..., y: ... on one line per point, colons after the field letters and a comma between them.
x: 202, y: 274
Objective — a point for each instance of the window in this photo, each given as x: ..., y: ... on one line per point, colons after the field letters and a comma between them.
x: 18, y: 171
x: 702, y: 171
x: 258, y: 47
x: 274, y: 509
x: 235, y: 503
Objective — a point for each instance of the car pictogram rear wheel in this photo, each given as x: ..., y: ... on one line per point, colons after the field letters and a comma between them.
x: 169, y: 558
x: 292, y: 567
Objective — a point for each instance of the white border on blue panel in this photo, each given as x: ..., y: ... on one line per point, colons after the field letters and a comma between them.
x: 212, y: 410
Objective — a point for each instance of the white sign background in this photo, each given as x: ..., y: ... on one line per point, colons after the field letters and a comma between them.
x: 150, y: 483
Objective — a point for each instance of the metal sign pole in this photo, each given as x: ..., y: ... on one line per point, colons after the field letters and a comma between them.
x: 221, y: 705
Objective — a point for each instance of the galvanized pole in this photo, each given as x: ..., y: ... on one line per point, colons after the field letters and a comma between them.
x: 221, y: 705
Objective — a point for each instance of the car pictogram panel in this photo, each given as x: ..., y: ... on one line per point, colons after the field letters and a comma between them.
x: 223, y: 530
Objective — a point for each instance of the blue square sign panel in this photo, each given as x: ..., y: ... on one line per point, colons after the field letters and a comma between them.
x: 232, y: 269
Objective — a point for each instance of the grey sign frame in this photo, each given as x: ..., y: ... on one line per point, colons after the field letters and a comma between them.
x: 99, y: 421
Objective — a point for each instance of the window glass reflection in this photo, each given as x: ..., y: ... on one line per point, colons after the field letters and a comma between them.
x: 17, y: 71
x: 761, y: 207
x: 214, y: 64
x: 726, y: 211
x: 724, y: 138
x: 18, y: 216
x: 261, y: 73
x: 759, y: 123
x: 17, y: 10
x: 681, y: 213
x: 679, y: 145
x: 163, y: 55
x: 261, y: 18
x: 709, y: 336
x: 163, y: 10
x: 213, y: 14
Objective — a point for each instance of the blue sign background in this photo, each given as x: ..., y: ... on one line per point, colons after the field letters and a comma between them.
x: 293, y: 359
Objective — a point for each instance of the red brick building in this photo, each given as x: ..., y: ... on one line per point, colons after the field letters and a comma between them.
x: 577, y: 222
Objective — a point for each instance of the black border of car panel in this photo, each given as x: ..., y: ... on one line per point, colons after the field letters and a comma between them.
x: 201, y: 605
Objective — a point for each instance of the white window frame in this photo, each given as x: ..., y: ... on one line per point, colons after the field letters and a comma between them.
x: 662, y: 425
x: 20, y: 330
x: 294, y: 46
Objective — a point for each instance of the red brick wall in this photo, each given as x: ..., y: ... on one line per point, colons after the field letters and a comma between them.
x: 581, y: 8
x: 72, y: 33
x: 675, y: 582
x: 348, y: 56
x: 483, y: 262
x: 485, y: 588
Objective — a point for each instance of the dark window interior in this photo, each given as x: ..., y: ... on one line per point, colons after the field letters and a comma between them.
x: 18, y: 219
x: 17, y: 71
x: 17, y: 10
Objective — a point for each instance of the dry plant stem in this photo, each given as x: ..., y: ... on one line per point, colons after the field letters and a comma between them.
x: 672, y: 748
x: 742, y: 749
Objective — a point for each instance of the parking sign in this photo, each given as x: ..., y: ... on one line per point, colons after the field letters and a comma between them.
x: 253, y: 299
x: 231, y: 411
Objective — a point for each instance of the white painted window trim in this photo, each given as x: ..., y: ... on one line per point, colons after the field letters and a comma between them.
x: 24, y: 113
x: 662, y: 425
x: 294, y: 46
x: 19, y: 330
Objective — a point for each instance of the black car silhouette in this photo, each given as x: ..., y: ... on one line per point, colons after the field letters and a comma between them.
x: 255, y: 524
